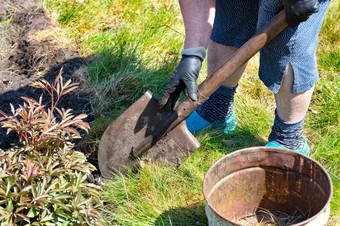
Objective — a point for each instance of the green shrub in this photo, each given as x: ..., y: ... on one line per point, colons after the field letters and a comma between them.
x: 42, y: 178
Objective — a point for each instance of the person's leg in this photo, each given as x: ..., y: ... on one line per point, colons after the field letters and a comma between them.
x: 225, y: 39
x: 290, y: 113
x: 291, y: 107
x: 218, y: 109
x: 217, y: 55
x: 288, y: 67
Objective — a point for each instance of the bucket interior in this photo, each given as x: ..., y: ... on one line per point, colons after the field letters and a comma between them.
x: 255, y: 184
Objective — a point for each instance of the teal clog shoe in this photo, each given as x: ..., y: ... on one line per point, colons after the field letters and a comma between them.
x: 196, y: 123
x: 304, y: 150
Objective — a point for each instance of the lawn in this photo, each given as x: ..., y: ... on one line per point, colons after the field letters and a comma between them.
x: 134, y: 46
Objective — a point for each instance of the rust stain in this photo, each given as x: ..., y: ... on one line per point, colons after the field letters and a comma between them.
x: 245, y: 181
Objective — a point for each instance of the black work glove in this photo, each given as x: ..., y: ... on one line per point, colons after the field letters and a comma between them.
x: 184, y: 77
x: 298, y: 11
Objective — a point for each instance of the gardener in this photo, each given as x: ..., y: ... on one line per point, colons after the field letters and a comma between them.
x: 287, y: 64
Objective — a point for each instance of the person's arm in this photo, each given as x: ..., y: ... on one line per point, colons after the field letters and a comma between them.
x: 198, y: 16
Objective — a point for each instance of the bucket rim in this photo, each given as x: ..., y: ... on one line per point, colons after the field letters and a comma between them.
x: 274, y: 149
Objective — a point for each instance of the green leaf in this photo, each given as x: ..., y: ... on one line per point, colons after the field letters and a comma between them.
x: 34, y: 191
x: 43, y: 214
x: 93, y: 192
x: 60, y: 204
x: 47, y: 218
x: 41, y: 198
x: 3, y: 175
x: 85, y: 202
x: 80, y: 179
x: 57, y: 190
x: 10, y: 206
x: 7, y: 218
x: 33, y: 212
x: 26, y: 190
x: 17, y: 210
x: 2, y: 212
x: 42, y: 190
x: 52, y: 185
x: 62, y: 180
x: 63, y: 196
x: 14, y: 194
x: 59, y: 218
x: 77, y: 198
x: 96, y: 187
x: 25, y: 218
x: 9, y: 185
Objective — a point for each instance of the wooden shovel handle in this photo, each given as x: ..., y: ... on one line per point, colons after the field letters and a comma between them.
x: 215, y: 80
x: 240, y: 57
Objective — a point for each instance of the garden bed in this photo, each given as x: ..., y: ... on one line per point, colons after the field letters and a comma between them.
x: 24, y: 59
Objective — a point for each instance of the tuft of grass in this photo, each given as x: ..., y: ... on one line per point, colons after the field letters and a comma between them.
x: 95, y: 24
x: 133, y: 46
x: 156, y: 195
x: 328, y: 52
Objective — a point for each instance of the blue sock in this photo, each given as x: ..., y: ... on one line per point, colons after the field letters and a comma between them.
x: 219, y: 107
x: 286, y: 134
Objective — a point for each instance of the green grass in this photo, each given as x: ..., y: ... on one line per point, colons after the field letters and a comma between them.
x: 133, y: 46
x: 323, y: 127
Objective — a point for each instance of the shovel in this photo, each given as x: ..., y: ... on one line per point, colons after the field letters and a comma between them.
x: 146, y: 131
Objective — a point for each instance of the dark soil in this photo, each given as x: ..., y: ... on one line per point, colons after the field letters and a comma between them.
x: 24, y: 59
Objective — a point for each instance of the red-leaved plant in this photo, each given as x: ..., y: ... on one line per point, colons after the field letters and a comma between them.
x: 42, y: 178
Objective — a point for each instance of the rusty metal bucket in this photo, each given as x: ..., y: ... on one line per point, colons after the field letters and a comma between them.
x: 267, y: 186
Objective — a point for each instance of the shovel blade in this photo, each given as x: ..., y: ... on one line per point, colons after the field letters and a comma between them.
x: 131, y: 128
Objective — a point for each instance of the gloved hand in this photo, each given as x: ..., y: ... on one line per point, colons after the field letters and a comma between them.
x: 184, y: 77
x: 298, y: 11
